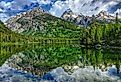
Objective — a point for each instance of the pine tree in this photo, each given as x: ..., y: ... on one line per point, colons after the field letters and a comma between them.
x: 117, y: 20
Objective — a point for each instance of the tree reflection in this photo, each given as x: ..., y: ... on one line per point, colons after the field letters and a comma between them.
x: 43, y: 58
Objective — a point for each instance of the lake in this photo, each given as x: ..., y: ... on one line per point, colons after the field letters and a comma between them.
x: 59, y: 63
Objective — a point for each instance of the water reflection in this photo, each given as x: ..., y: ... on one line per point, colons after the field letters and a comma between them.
x: 8, y: 50
x: 40, y: 59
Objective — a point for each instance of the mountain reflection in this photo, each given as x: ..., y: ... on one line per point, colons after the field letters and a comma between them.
x: 40, y: 59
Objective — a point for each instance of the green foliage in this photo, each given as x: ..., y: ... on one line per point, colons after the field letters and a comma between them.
x: 8, y: 36
x: 50, y: 26
x: 106, y: 33
x: 7, y: 51
x: 47, y: 28
x: 43, y: 58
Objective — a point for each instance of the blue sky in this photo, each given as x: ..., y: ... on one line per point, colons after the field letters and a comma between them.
x: 10, y: 8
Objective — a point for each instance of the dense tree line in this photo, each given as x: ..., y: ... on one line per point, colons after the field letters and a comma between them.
x: 103, y: 33
x: 6, y: 35
x: 98, y: 32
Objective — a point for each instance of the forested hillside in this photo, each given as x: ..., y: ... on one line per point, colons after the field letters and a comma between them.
x: 9, y: 36
x: 38, y: 26
x: 103, y: 33
x: 42, y: 24
x: 6, y: 35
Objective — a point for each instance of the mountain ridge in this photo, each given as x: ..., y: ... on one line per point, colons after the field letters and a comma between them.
x: 85, y: 21
x: 40, y: 23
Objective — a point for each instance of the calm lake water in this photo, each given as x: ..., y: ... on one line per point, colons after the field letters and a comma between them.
x: 59, y: 63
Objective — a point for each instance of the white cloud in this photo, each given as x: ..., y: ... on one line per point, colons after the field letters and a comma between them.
x: 33, y: 1
x: 78, y: 6
x: 119, y: 12
x: 82, y: 6
x: 13, y: 5
x: 85, y: 6
x: 1, y: 10
x: 5, y: 4
x: 58, y: 8
x: 3, y: 17
x: 44, y: 1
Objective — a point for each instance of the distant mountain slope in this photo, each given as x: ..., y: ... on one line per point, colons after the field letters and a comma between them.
x: 39, y: 23
x: 10, y: 37
x: 103, y: 29
x: 6, y: 35
x: 82, y: 20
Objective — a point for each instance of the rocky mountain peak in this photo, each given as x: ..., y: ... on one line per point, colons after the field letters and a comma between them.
x: 40, y: 23
x: 25, y: 20
x: 68, y: 14
x: 34, y: 12
x: 82, y: 20
x: 79, y: 19
x: 104, y: 15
